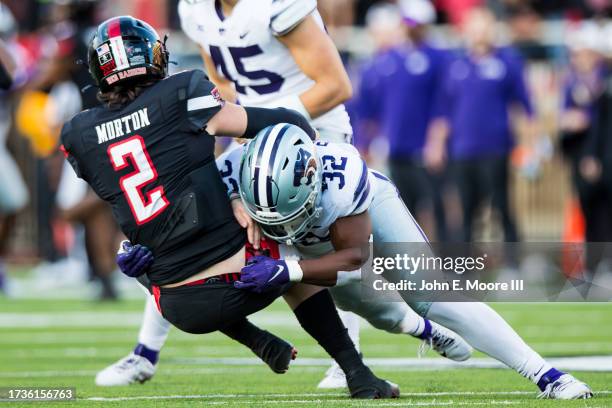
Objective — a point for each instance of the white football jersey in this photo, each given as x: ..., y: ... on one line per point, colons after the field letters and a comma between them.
x: 348, y: 189
x: 245, y: 50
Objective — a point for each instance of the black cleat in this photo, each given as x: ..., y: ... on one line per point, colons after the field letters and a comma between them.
x: 365, y: 385
x: 276, y: 353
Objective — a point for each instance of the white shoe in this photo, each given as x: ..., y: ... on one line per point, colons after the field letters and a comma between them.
x: 446, y: 343
x: 566, y: 387
x: 126, y: 371
x: 334, y: 378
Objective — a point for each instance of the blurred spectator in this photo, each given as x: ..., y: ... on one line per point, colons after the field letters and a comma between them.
x: 581, y: 89
x: 457, y: 10
x: 61, y: 89
x: 13, y: 191
x: 482, y: 84
x: 397, y: 94
x: 591, y: 159
x: 525, y: 29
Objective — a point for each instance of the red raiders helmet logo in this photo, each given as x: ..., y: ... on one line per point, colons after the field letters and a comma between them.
x: 217, y: 95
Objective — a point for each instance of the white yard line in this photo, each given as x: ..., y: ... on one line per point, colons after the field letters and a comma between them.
x: 316, y: 398
x: 588, y: 363
x: 114, y: 319
x: 331, y: 394
x: 215, y: 365
x: 346, y: 401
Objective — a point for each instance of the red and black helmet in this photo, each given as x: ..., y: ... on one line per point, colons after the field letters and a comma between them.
x: 126, y: 50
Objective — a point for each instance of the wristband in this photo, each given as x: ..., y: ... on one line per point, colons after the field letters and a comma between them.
x: 294, y: 102
x: 295, y: 271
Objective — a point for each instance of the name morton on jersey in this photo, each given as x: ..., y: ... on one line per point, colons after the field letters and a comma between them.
x: 122, y: 126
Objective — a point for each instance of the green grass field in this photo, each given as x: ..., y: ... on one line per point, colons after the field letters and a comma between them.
x: 48, y: 343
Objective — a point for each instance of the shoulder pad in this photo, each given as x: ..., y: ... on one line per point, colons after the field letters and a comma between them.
x: 286, y: 14
x: 188, y: 11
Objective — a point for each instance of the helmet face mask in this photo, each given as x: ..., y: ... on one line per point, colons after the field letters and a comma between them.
x: 292, y: 229
x: 125, y: 51
x: 280, y: 182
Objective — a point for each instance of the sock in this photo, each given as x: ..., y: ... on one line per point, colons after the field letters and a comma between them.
x: 351, y: 322
x: 426, y: 330
x: 154, y: 328
x: 550, y: 376
x: 246, y: 333
x: 318, y: 316
x: 144, y: 351
x: 487, y: 331
x: 412, y: 324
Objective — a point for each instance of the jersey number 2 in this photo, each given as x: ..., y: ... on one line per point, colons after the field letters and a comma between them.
x: 144, y: 206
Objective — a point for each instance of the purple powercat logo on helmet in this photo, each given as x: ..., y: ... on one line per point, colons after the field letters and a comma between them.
x: 304, y: 168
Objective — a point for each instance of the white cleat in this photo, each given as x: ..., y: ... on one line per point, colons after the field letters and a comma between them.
x: 126, y: 371
x: 446, y: 343
x: 334, y: 378
x: 565, y: 388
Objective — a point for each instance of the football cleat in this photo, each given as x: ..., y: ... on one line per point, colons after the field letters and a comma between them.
x: 365, y: 385
x: 566, y: 387
x: 334, y: 378
x: 276, y: 353
x: 446, y: 343
x: 128, y: 370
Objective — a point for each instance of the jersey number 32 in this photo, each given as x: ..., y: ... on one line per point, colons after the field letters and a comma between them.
x: 144, y: 206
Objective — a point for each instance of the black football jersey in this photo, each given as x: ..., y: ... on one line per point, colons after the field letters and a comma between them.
x: 153, y: 161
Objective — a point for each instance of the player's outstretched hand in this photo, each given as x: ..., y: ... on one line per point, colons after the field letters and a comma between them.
x: 134, y: 260
x: 262, y: 274
x: 245, y: 221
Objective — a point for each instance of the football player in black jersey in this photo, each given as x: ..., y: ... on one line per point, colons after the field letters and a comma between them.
x: 148, y: 151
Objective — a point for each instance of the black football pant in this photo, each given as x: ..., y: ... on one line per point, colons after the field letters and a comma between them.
x: 211, y: 306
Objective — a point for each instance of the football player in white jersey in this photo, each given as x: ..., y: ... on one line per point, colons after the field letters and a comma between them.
x: 270, y: 53
x: 337, y: 202
x: 322, y: 198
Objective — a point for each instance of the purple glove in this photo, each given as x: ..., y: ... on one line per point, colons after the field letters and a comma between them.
x: 134, y: 260
x: 262, y: 274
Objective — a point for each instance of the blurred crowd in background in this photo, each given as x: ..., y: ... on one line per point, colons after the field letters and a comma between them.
x: 493, y: 117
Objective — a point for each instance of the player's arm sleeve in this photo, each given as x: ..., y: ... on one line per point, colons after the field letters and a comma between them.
x: 201, y: 103
x: 260, y: 118
x: 287, y: 14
